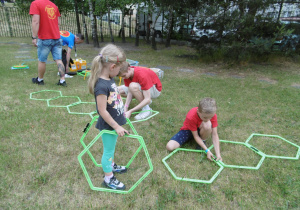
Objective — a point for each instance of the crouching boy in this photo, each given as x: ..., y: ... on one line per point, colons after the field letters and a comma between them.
x: 140, y: 83
x: 200, y: 123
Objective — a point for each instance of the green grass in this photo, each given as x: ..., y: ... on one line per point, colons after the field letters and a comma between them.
x: 40, y: 144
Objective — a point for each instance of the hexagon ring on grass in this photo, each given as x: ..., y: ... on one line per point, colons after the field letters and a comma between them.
x: 251, y: 148
x: 141, y: 141
x: 78, y: 103
x: 187, y: 179
x: 52, y: 99
x: 279, y: 138
x: 86, y: 130
x: 45, y: 99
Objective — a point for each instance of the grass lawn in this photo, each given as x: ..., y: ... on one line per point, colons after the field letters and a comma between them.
x: 40, y: 144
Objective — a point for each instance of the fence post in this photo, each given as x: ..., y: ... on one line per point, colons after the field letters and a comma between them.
x: 8, y: 21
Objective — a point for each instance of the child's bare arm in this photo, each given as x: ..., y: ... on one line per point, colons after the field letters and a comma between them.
x: 101, y: 103
x: 201, y: 143
x: 216, y: 142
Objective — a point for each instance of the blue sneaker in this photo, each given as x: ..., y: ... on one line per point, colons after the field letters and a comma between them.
x: 118, y: 169
x: 114, y: 184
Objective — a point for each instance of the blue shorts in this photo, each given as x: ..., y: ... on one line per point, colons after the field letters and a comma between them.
x: 45, y: 46
x: 184, y: 136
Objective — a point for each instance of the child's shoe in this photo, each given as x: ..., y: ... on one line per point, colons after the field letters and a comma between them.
x: 114, y: 184
x: 118, y: 169
x: 143, y: 115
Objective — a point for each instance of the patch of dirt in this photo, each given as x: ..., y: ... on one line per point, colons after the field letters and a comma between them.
x: 267, y: 80
x: 296, y: 85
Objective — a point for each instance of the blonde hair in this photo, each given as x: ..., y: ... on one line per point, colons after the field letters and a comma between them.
x: 110, y: 54
x: 207, y: 106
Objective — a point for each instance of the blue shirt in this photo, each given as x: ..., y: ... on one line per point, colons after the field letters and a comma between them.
x: 68, y: 38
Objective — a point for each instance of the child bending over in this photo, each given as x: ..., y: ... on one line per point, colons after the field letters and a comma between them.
x: 200, y: 123
x: 109, y: 105
x: 140, y: 83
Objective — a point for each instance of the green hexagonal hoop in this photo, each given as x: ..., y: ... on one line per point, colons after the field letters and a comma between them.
x: 187, y: 179
x: 140, y: 139
x: 81, y: 102
x: 57, y: 91
x: 275, y: 136
x: 86, y: 130
x: 251, y: 148
x: 48, y: 101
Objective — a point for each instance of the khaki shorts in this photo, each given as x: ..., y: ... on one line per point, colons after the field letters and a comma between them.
x: 153, y: 91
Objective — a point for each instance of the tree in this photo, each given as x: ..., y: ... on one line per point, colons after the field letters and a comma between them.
x: 93, y: 23
x: 77, y: 16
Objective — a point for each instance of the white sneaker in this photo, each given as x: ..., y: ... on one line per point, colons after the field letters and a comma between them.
x: 143, y: 115
x: 68, y: 76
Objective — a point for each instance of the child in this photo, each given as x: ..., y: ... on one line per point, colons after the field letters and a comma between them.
x: 143, y: 84
x: 200, y: 123
x: 109, y: 106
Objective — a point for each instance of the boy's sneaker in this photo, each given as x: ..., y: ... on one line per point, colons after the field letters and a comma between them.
x: 36, y: 81
x: 114, y: 184
x: 64, y: 84
x: 118, y: 169
x: 143, y: 115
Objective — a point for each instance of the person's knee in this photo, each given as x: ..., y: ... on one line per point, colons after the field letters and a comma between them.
x: 134, y: 86
x: 171, y: 145
x: 206, y: 126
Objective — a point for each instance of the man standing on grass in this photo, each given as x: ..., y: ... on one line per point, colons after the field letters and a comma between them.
x: 70, y: 40
x: 45, y: 28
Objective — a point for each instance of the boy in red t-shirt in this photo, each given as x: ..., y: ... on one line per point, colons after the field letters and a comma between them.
x: 140, y: 83
x: 200, y: 123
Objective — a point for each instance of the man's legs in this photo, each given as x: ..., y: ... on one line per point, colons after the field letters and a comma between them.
x: 41, y: 69
x: 57, y: 55
x: 61, y: 69
x: 43, y: 49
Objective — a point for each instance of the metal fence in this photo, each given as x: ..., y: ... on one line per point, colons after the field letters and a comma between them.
x: 17, y: 23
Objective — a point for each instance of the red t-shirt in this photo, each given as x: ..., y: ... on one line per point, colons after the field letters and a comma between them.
x: 48, y: 12
x: 193, y: 121
x: 145, y: 77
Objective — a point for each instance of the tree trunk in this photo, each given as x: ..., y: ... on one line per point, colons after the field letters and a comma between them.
x: 149, y: 22
x: 137, y: 22
x: 122, y: 27
x: 77, y: 16
x: 109, y: 25
x: 153, y: 41
x: 86, y: 37
x: 101, y: 29
x: 130, y: 13
x: 93, y: 23
x: 280, y: 8
x: 170, y: 25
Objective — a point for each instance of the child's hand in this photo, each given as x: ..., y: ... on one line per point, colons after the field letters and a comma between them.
x: 210, y: 155
x: 127, y: 114
x: 219, y: 158
x: 121, y: 131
